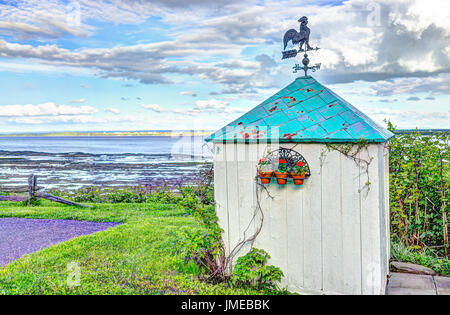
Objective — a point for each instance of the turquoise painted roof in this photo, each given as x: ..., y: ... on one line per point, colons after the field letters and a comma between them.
x: 304, y: 111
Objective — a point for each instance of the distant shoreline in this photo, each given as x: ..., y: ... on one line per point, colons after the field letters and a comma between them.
x: 164, y: 133
x: 114, y: 134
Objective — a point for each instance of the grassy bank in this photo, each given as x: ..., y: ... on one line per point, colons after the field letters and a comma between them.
x: 144, y: 255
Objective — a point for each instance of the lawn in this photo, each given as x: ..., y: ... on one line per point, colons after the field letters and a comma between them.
x: 143, y: 255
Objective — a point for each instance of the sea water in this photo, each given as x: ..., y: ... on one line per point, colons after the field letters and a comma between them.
x: 73, y: 162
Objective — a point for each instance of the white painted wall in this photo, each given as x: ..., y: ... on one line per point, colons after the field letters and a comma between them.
x: 327, y: 236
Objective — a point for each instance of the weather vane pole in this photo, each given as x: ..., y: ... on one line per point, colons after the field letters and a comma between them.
x: 301, y: 38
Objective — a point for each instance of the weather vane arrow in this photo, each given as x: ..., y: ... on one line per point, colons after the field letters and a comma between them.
x: 301, y: 38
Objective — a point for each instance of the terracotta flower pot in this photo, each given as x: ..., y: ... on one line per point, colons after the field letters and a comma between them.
x: 265, y: 177
x: 281, y: 177
x: 298, y: 179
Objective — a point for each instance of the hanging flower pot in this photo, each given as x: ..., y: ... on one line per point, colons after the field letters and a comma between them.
x: 298, y: 179
x: 298, y: 173
x: 281, y: 177
x: 265, y: 177
x: 265, y: 171
x: 282, y: 172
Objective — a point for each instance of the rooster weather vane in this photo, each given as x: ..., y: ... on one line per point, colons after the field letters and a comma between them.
x: 301, y: 38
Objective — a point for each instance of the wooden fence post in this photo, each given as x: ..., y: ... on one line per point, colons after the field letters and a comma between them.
x: 32, y: 179
x: 33, y: 194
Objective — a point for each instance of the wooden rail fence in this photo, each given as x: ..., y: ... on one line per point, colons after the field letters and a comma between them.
x: 34, y: 194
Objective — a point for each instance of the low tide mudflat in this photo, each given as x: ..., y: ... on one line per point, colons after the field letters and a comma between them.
x: 73, y: 162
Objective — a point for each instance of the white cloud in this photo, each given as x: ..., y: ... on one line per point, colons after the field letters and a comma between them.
x: 46, y: 109
x: 113, y: 110
x: 439, y: 84
x: 409, y: 118
x: 215, y: 41
x: 389, y: 100
x: 153, y: 107
x: 80, y: 101
x: 43, y: 19
x: 211, y: 106
x: 351, y: 49
x: 200, y: 107
x: 188, y: 93
x: 78, y: 119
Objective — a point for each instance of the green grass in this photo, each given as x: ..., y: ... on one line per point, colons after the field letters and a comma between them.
x: 140, y: 256
x: 424, y: 258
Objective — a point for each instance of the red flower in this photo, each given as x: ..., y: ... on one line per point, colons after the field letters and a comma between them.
x: 300, y: 163
x: 262, y: 160
x: 282, y: 161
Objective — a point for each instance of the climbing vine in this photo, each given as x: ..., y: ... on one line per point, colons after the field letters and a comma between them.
x: 353, y: 151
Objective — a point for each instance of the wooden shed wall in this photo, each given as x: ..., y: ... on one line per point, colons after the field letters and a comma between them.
x: 327, y: 236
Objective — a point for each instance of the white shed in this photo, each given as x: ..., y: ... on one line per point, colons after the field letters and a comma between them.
x: 329, y: 235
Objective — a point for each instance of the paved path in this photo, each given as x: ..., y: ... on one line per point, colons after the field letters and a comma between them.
x: 411, y: 284
x: 19, y: 237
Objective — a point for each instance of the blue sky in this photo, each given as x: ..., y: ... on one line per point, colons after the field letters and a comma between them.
x: 197, y: 64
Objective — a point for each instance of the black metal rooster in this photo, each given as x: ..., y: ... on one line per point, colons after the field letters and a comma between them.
x: 301, y: 37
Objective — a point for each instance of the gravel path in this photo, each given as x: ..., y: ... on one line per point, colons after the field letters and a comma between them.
x: 19, y: 237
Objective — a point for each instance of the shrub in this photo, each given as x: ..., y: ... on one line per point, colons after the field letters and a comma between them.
x: 251, y: 270
x: 136, y: 194
x: 88, y: 194
x: 207, y: 248
x: 204, y: 193
x: 419, y: 183
x: 163, y: 194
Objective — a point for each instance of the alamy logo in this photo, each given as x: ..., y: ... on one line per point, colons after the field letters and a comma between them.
x: 73, y: 13
x: 374, y: 17
x: 373, y: 274
x: 74, y: 276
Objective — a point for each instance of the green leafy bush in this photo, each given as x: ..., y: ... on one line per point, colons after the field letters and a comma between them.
x: 137, y: 194
x: 252, y: 270
x: 163, y: 195
x: 207, y: 215
x: 419, y: 185
x: 206, y: 248
x: 87, y: 194
x: 134, y: 195
x: 204, y: 193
